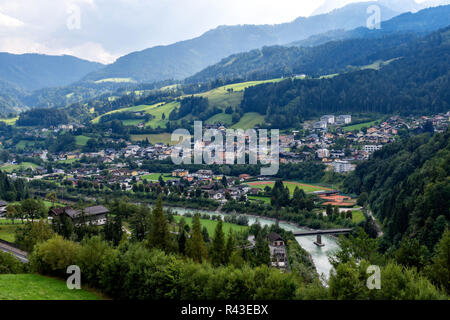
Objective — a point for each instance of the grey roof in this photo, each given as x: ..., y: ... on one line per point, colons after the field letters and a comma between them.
x: 91, y: 211
x: 3, y: 203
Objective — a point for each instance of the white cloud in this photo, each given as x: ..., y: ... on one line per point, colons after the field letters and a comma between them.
x: 10, y: 22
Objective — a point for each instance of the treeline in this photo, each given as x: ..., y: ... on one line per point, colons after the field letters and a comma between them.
x: 305, y: 171
x: 280, y: 61
x: 43, y: 117
x: 12, y: 190
x: 416, y: 83
x: 407, y: 186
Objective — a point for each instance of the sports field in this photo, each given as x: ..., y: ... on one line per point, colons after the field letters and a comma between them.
x: 290, y: 184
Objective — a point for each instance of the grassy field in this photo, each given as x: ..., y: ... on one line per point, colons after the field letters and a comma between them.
x: 81, y: 141
x: 9, y: 121
x: 154, y: 138
x: 222, y: 118
x: 222, y: 98
x: 290, y: 184
x: 116, y: 80
x: 211, y: 225
x: 141, y: 108
x: 37, y: 287
x: 23, y: 166
x: 249, y: 121
x: 155, y: 177
x: 22, y: 144
x: 7, y: 231
x: 358, y: 216
x: 259, y: 198
x: 158, y: 111
x: 360, y: 126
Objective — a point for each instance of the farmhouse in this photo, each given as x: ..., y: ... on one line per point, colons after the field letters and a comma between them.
x: 91, y: 215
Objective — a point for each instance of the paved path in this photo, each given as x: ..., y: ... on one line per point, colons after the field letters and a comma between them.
x: 19, y: 254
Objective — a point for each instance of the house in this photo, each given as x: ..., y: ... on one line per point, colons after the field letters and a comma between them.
x: 3, y: 205
x: 344, y: 119
x: 320, y: 125
x: 180, y: 173
x: 278, y: 251
x: 330, y: 119
x: 244, y: 177
x: 92, y: 215
x: 276, y: 240
x: 341, y: 166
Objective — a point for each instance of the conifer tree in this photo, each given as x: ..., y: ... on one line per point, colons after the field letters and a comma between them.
x: 218, y: 245
x: 159, y: 236
x: 196, y: 248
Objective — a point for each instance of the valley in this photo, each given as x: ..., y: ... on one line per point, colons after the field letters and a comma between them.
x: 349, y: 169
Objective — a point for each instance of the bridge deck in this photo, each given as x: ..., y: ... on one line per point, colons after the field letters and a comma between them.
x: 321, y: 232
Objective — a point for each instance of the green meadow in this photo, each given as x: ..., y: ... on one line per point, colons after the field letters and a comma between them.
x: 37, y: 287
x: 212, y: 224
x: 249, y: 121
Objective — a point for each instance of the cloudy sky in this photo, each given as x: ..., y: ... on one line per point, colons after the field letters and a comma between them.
x: 102, y: 30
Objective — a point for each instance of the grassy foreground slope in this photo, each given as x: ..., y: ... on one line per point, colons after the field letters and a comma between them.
x: 36, y: 287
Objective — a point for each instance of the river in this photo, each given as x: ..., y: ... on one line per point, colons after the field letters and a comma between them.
x: 318, y: 254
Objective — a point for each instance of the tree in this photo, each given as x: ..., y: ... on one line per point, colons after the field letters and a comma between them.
x: 439, y: 270
x: 362, y: 199
x: 182, y: 241
x: 218, y: 245
x: 411, y: 253
x: 262, y: 251
x: 33, y: 209
x: 196, y: 248
x: 140, y: 223
x: 230, y: 246
x: 159, y: 236
x: 13, y: 211
x: 52, y: 197
x: 63, y: 225
x: 30, y: 234
x: 113, y: 231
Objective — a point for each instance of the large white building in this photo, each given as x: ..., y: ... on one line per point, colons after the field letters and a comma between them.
x: 330, y: 119
x: 372, y: 148
x: 344, y: 119
x: 340, y: 166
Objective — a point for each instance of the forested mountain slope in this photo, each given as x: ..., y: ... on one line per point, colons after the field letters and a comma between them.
x: 408, y: 184
x: 36, y: 71
x: 417, y: 82
x: 357, y: 47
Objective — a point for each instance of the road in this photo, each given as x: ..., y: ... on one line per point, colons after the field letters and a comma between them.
x: 19, y: 254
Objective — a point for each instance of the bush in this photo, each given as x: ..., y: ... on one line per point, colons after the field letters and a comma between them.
x: 9, y: 264
x: 54, y: 256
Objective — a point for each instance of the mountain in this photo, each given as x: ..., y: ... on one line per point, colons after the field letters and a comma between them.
x: 183, y: 59
x: 10, y: 98
x: 417, y: 81
x: 426, y: 20
x: 36, y: 71
x: 363, y: 47
x: 396, y: 5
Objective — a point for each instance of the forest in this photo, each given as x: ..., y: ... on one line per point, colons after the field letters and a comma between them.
x: 407, y: 186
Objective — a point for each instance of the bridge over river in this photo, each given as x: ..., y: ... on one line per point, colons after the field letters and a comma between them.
x: 319, y: 234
